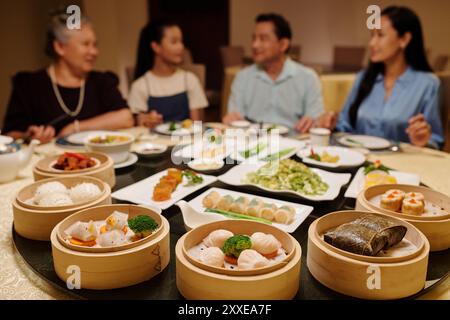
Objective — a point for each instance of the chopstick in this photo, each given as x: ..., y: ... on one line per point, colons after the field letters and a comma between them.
x: 27, y: 139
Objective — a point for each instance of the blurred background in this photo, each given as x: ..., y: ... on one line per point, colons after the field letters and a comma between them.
x: 329, y: 35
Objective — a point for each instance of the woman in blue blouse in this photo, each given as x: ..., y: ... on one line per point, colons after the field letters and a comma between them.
x: 397, y: 96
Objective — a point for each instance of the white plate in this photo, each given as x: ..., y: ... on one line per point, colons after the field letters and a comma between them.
x: 301, y: 211
x: 180, y: 131
x: 217, y: 163
x: 334, y: 180
x: 195, y: 151
x: 280, y: 128
x: 80, y: 137
x: 357, y: 184
x: 361, y: 141
x: 143, y: 149
x: 240, y: 124
x: 347, y: 157
x: 6, y: 140
x: 271, y: 148
x: 141, y: 192
x: 132, y: 159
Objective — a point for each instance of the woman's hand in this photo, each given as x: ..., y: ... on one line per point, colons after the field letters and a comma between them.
x: 150, y: 119
x: 42, y: 133
x: 327, y: 120
x: 419, y: 130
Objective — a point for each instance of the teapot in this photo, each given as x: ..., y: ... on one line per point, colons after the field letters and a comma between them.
x: 13, y: 158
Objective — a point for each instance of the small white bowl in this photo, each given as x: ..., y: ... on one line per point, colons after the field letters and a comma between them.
x: 240, y: 124
x: 148, y: 149
x: 206, y: 164
x: 118, y: 151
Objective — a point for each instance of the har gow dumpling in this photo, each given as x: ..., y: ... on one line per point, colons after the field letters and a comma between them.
x: 83, y: 231
x: 111, y: 238
x: 251, y: 259
x: 265, y: 244
x: 212, y: 256
x: 217, y: 238
x: 117, y: 220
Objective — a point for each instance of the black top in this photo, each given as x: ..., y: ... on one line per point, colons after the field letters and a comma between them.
x: 33, y: 101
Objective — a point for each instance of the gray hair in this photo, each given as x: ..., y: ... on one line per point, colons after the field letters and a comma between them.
x: 57, y: 31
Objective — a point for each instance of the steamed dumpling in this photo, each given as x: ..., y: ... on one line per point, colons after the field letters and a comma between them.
x: 84, y: 231
x: 265, y: 243
x: 117, y: 220
x: 49, y: 188
x: 55, y: 199
x: 84, y: 192
x: 111, y: 238
x: 212, y: 256
x: 217, y: 238
x: 251, y: 259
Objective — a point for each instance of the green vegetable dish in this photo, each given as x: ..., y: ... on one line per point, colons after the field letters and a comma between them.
x: 236, y: 244
x: 142, y: 226
x: 288, y: 175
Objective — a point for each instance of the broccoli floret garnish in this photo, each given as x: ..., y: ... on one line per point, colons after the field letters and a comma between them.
x: 236, y: 244
x: 142, y: 226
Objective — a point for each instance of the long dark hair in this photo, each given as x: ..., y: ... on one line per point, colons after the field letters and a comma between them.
x: 403, y: 20
x: 153, y: 32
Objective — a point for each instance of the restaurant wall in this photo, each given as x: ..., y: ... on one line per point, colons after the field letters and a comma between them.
x: 118, y: 24
x: 321, y: 24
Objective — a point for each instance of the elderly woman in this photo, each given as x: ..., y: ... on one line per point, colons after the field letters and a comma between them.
x: 68, y: 96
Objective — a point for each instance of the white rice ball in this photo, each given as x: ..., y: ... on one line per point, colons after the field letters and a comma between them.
x: 84, y: 192
x: 55, y: 199
x: 49, y: 188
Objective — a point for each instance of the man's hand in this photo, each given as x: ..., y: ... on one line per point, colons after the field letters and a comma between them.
x: 304, y: 124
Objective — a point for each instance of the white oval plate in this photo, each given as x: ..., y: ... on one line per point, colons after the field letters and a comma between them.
x: 362, y: 141
x: 347, y: 157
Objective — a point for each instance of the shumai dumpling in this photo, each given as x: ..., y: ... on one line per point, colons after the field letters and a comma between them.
x: 251, y: 259
x: 212, y: 256
x: 265, y: 244
x: 217, y: 238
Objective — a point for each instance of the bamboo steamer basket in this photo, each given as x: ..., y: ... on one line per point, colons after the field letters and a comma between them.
x: 195, y: 281
x: 37, y: 223
x: 102, y: 212
x: 364, y: 278
x: 435, y: 228
x: 103, y: 171
x: 196, y: 236
x: 114, y: 269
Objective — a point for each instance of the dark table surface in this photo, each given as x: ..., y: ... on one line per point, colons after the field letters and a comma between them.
x: 38, y: 254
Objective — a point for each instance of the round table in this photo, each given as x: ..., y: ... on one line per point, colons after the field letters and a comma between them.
x: 19, y: 281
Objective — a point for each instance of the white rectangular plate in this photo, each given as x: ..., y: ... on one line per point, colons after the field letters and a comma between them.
x: 357, y: 184
x: 334, y: 180
x: 141, y: 192
x: 301, y: 211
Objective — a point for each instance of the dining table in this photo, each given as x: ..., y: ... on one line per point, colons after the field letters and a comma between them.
x: 26, y: 270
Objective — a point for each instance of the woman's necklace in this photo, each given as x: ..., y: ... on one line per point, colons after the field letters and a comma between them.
x: 63, y: 106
